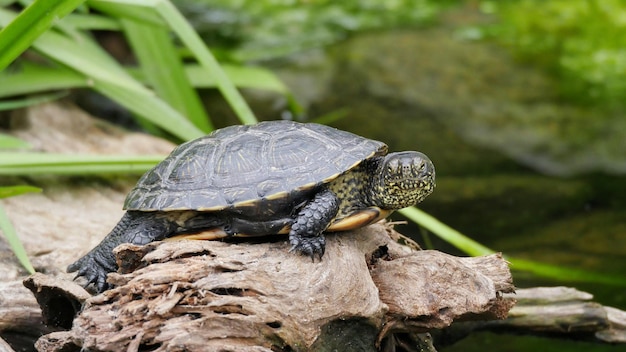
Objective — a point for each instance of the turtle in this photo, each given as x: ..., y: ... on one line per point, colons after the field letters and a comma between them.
x: 273, y: 177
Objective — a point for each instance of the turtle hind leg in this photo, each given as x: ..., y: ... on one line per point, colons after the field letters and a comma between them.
x: 306, y: 231
x: 134, y: 227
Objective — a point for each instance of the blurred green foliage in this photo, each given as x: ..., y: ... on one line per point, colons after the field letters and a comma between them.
x: 582, y: 42
x: 260, y: 29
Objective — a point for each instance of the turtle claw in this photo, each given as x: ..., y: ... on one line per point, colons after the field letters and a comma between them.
x: 309, y: 246
x: 92, y: 271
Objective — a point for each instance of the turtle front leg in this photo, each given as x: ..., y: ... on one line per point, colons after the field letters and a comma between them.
x: 134, y: 227
x: 306, y: 231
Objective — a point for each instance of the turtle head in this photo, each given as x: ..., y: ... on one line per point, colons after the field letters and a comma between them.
x: 404, y: 179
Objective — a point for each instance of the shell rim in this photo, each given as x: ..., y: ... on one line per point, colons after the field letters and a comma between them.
x: 255, y: 201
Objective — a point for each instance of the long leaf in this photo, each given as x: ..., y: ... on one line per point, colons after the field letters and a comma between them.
x: 566, y: 274
x: 31, y: 78
x: 37, y: 18
x: 10, y: 142
x: 70, y: 164
x: 445, y: 232
x: 241, y: 76
x: 192, y: 41
x: 136, y: 13
x: 14, y: 241
x: 112, y: 80
x: 12, y: 191
x: 150, y: 107
x: 21, y: 103
x: 92, y: 22
x: 163, y: 68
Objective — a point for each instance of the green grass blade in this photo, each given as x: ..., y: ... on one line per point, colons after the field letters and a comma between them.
x: 566, y: 274
x: 31, y: 78
x: 74, y: 164
x: 150, y: 107
x: 14, y: 241
x: 138, y: 13
x: 11, y: 191
x: 92, y: 22
x: 85, y: 56
x: 108, y: 77
x: 244, y: 77
x: 241, y: 76
x: 22, y: 103
x: 190, y: 38
x: 192, y: 41
x: 445, y: 232
x: 21, y: 32
x: 10, y: 142
x: 163, y: 69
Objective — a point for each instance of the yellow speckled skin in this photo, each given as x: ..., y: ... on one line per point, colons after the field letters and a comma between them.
x: 393, y: 182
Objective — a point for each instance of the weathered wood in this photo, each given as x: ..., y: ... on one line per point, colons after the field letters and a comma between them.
x: 60, y: 341
x: 60, y: 300
x: 22, y: 317
x: 19, y: 309
x: 467, y: 292
x: 565, y: 311
x: 616, y: 331
x: 207, y: 295
x: 562, y: 312
x: 4, y: 347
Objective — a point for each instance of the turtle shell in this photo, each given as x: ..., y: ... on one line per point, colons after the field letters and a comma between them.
x: 247, y: 165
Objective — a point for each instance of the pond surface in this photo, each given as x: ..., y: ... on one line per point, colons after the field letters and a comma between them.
x: 508, y: 174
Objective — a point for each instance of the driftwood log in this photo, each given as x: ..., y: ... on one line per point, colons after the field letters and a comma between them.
x: 564, y: 311
x: 560, y: 312
x: 208, y: 295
